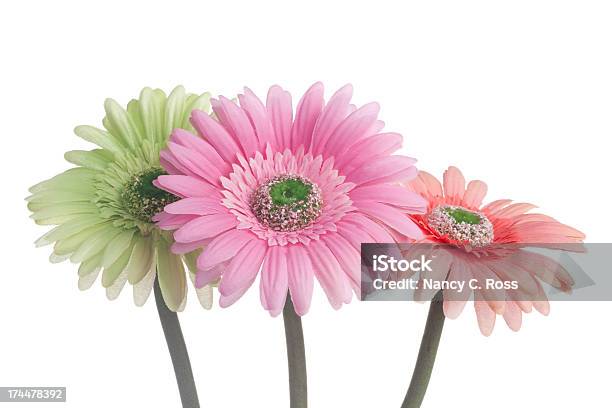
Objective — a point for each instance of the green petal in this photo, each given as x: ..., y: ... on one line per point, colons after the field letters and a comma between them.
x: 151, y: 108
x: 91, y: 265
x: 114, y: 250
x: 58, y: 219
x: 191, y: 260
x: 171, y: 275
x: 114, y: 290
x: 65, y: 230
x: 86, y: 281
x: 70, y: 244
x: 174, y: 109
x: 141, y: 260
x: 142, y: 289
x: 95, y: 244
x: 75, y: 179
x: 96, y: 159
x: 204, y: 294
x: 118, y: 123
x: 100, y: 137
x: 201, y: 102
x: 111, y: 273
x: 59, y: 209
x: 42, y: 199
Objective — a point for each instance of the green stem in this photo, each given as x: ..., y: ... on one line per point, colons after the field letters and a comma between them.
x: 427, y: 354
x: 178, y: 351
x: 296, y: 356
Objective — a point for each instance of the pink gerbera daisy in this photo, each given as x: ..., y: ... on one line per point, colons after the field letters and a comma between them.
x: 484, y: 242
x: 291, y: 197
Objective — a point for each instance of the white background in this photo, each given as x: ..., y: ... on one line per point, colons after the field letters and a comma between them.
x: 518, y: 94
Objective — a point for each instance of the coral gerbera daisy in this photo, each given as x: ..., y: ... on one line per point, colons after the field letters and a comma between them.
x: 484, y: 242
x: 292, y: 197
x: 103, y: 208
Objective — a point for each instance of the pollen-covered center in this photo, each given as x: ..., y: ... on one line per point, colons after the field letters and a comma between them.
x: 461, y: 225
x: 287, y: 203
x: 141, y: 199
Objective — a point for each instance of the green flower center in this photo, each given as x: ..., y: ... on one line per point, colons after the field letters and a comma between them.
x: 463, y: 216
x: 289, y: 191
x: 141, y: 199
x: 461, y: 226
x: 287, y: 203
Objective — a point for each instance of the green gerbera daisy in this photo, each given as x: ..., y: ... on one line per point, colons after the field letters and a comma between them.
x: 103, y: 208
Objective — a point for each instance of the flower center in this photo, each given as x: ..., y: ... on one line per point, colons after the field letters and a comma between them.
x: 286, y: 203
x: 461, y: 225
x: 141, y: 199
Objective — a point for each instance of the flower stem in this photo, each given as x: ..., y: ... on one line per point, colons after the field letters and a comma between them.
x: 296, y: 356
x: 178, y: 351
x: 427, y: 354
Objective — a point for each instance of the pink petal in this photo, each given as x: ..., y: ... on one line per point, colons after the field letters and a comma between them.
x: 375, y: 232
x: 184, y: 248
x: 208, y: 276
x: 280, y: 112
x: 453, y: 308
x: 454, y: 185
x: 485, y: 317
x: 514, y: 209
x: 173, y: 166
x: 215, y: 134
x: 513, y: 316
x: 382, y: 144
x: 356, y: 235
x: 440, y: 264
x: 542, y: 306
x: 427, y: 185
x: 301, y: 278
x: 509, y: 270
x: 455, y: 300
x: 196, y: 206
x: 206, y: 226
x: 334, y: 112
x: 228, y: 300
x: 258, y: 116
x: 329, y: 274
x: 308, y: 111
x: 352, y: 129
x: 548, y: 270
x: 394, y: 195
x: 494, y: 206
x: 167, y: 164
x: 224, y: 247
x: 348, y: 258
x: 167, y: 221
x: 388, y: 169
x: 474, y: 194
x: 235, y: 119
x: 547, y: 232
x: 205, y: 149
x: 274, y: 280
x: 393, y: 218
x: 195, y: 163
x: 243, y: 268
x: 186, y: 186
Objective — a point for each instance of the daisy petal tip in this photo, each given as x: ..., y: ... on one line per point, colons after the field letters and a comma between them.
x: 275, y: 312
x: 486, y: 332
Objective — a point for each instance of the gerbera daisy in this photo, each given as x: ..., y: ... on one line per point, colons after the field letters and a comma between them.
x: 484, y: 242
x: 291, y: 196
x: 103, y: 207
